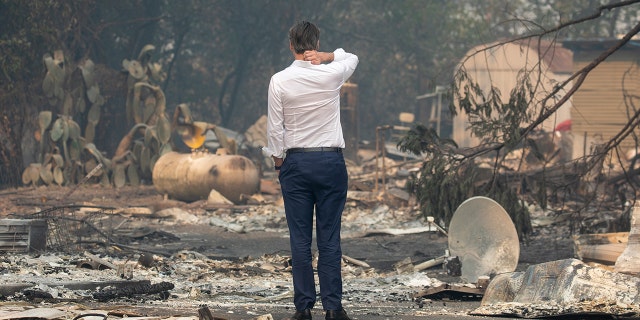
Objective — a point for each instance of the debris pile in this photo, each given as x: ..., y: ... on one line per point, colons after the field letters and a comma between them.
x: 114, y: 249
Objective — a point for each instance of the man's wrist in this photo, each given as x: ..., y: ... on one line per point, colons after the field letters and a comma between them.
x: 277, y: 163
x: 328, y: 57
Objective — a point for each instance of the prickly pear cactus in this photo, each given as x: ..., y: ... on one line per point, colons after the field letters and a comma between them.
x: 67, y: 152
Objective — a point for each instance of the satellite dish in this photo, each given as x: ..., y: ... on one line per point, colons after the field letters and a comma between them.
x: 483, y: 237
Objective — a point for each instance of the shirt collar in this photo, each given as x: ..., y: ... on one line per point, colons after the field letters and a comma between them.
x: 301, y: 63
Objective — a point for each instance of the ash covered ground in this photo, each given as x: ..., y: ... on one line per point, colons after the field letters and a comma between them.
x: 233, y: 260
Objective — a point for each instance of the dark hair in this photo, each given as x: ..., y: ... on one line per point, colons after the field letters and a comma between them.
x: 304, y: 36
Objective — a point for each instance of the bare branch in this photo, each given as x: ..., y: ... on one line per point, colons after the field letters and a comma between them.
x: 559, y: 27
x: 579, y: 78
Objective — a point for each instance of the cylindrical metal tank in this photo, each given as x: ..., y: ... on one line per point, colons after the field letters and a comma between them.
x: 192, y: 176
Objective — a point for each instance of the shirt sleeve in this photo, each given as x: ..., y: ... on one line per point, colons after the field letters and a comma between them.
x: 348, y: 61
x: 275, y: 123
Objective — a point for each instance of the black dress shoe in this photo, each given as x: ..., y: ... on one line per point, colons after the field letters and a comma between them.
x: 300, y: 315
x: 336, y: 315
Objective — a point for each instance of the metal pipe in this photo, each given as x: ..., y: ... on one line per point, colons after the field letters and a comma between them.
x: 377, y: 152
x: 380, y: 141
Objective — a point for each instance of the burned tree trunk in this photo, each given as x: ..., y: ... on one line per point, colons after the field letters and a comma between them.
x: 10, y: 166
x: 12, y: 121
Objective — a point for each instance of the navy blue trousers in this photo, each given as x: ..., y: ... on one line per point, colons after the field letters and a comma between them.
x: 315, y: 180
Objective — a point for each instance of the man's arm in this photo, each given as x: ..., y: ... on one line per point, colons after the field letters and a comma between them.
x: 348, y: 60
x: 275, y: 128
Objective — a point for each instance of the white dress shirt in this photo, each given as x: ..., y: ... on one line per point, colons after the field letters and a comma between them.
x: 304, y: 104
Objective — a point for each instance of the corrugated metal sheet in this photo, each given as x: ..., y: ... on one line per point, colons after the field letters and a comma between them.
x: 600, y: 110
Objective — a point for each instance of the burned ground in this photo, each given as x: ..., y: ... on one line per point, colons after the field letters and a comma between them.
x: 232, y: 259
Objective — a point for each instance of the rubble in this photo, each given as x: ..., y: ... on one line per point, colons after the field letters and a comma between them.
x: 197, y: 280
x: 110, y: 251
x: 114, y: 256
x: 602, y: 248
x: 22, y: 235
x: 563, y: 287
x: 629, y: 260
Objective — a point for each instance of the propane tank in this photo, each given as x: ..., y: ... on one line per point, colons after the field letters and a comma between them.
x: 192, y: 176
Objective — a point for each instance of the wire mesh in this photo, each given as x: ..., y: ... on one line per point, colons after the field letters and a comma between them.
x: 70, y: 228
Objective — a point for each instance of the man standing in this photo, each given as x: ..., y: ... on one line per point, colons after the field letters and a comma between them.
x: 305, y: 140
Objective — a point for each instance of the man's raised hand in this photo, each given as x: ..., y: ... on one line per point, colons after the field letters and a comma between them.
x: 313, y: 56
